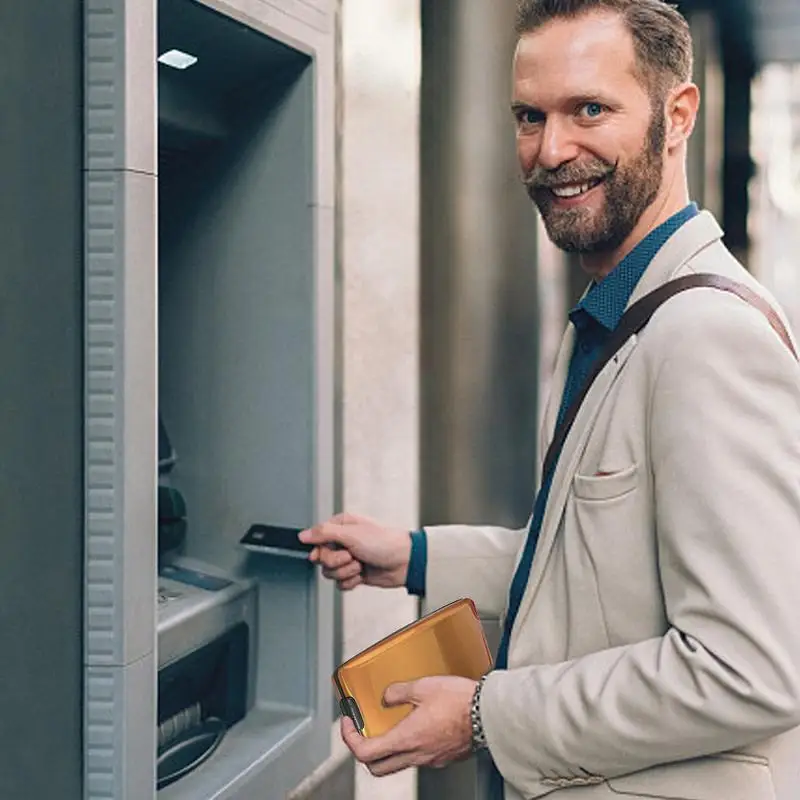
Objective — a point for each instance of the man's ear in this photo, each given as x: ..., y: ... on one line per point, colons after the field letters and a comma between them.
x: 683, y: 105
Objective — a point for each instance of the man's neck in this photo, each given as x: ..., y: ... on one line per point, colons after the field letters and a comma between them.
x: 598, y: 265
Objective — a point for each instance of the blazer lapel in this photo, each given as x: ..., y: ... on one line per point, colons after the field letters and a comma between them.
x: 697, y: 234
x: 694, y: 236
x: 566, y: 467
x: 555, y: 394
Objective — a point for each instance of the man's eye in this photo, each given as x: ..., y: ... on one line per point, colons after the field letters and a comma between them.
x: 592, y: 110
x: 529, y: 117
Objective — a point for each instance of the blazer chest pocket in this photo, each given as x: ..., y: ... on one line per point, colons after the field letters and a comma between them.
x: 606, y: 486
x: 610, y: 528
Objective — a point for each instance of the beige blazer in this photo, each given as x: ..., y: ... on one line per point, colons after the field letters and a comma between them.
x: 656, y: 652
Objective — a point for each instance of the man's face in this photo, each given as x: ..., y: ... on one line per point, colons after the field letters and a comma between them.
x: 590, y: 139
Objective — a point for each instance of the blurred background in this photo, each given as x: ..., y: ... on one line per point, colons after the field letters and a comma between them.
x: 454, y: 302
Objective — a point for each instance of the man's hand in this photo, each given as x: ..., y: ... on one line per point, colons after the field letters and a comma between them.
x: 354, y: 550
x: 437, y: 732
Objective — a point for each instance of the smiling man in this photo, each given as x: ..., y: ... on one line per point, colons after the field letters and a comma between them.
x: 651, y: 605
x: 592, y: 124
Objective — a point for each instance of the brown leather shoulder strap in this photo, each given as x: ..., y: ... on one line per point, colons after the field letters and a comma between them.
x: 637, y: 316
x: 745, y: 293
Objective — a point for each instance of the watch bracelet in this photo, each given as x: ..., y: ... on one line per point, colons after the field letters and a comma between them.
x: 478, y: 733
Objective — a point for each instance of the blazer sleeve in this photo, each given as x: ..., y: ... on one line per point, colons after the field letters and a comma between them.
x: 471, y: 561
x: 724, y: 444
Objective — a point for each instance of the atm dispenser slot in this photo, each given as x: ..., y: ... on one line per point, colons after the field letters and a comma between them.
x: 200, y: 697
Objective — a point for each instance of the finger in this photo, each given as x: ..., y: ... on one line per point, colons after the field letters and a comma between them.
x: 399, y: 693
x: 343, y: 573
x: 313, y: 534
x: 350, y: 735
x: 333, y: 559
x: 349, y: 585
x: 368, y: 750
x: 393, y: 764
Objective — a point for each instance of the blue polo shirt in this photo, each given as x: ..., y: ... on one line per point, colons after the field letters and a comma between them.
x: 595, y: 318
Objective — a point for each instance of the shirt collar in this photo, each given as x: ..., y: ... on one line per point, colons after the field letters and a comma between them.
x: 607, y: 300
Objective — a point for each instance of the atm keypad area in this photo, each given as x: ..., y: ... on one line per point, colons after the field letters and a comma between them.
x: 236, y: 629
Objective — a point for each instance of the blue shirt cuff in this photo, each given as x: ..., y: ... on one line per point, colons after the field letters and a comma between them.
x: 417, y: 562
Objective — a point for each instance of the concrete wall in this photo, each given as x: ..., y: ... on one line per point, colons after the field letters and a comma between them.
x: 480, y: 315
x: 378, y: 199
x: 381, y: 63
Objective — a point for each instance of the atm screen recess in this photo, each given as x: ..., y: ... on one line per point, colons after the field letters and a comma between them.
x: 237, y: 629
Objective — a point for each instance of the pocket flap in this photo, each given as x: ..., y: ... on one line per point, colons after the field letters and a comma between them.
x: 731, y: 777
x: 606, y: 487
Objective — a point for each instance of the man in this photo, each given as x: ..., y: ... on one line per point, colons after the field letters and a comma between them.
x: 651, y: 607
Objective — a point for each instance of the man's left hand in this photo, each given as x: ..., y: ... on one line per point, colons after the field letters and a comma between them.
x: 437, y: 732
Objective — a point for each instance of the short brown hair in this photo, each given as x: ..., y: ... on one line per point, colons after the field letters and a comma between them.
x: 661, y: 35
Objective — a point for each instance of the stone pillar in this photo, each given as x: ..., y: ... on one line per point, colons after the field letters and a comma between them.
x: 479, y: 300
x: 479, y: 287
x: 380, y: 301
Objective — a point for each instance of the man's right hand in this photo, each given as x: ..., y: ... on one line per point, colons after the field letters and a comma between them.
x: 354, y: 550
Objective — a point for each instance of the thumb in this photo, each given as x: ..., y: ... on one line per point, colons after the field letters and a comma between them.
x: 398, y: 694
x: 343, y: 518
x: 330, y: 533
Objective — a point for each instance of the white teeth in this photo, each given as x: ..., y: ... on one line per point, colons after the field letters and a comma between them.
x: 570, y: 191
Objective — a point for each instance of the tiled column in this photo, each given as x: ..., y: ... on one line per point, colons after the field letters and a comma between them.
x: 380, y: 302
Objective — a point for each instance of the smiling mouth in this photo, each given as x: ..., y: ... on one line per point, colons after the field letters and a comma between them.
x: 575, y: 190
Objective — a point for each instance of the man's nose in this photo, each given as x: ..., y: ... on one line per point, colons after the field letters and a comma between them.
x: 558, y: 144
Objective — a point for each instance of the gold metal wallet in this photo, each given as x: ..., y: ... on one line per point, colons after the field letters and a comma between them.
x: 449, y: 641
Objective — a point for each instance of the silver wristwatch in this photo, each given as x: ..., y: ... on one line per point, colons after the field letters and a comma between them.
x: 478, y: 734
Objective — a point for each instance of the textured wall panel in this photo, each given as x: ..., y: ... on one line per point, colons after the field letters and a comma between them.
x: 120, y: 411
x: 120, y: 80
x: 120, y: 398
x: 103, y: 391
x: 120, y: 704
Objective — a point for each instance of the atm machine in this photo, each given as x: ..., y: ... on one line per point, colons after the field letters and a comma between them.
x: 209, y: 394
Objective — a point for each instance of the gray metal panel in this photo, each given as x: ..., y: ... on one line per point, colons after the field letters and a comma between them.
x: 237, y: 350
x: 41, y: 470
x: 120, y: 397
x: 247, y: 392
x: 335, y: 780
x: 261, y: 758
x: 308, y: 26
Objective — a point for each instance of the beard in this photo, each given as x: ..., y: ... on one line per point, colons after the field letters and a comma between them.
x: 629, y: 190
